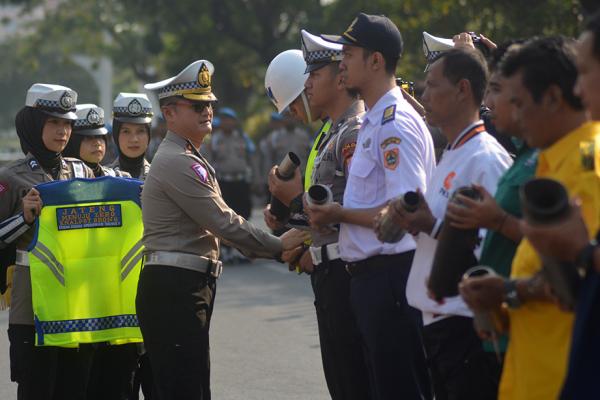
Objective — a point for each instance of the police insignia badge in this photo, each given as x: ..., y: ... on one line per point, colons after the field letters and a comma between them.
x: 350, y: 28
x: 390, y: 159
x: 134, y: 107
x: 587, y: 150
x: 389, y: 114
x: 93, y: 117
x: 66, y: 101
x: 204, y: 76
x: 390, y: 140
x: 201, y: 172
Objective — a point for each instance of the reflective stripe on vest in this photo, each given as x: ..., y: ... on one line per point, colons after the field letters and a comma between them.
x: 310, y: 163
x: 85, y: 261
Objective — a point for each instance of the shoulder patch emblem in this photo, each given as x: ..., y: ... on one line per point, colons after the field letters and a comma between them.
x: 201, y: 172
x: 389, y: 114
x: 3, y: 187
x: 390, y: 140
x: 391, y: 158
x: 33, y: 164
x: 348, y: 152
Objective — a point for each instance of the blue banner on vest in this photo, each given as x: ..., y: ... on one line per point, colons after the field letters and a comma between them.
x: 92, y: 216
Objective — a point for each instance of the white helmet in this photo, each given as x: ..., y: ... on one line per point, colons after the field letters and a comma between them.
x: 285, y: 78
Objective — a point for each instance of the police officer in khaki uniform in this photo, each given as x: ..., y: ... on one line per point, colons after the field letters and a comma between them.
x: 289, y: 137
x: 231, y: 153
x: 88, y: 141
x: 44, y: 126
x: 341, y: 348
x: 132, y: 114
x: 185, y: 218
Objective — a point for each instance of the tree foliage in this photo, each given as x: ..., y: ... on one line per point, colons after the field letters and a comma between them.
x: 149, y: 40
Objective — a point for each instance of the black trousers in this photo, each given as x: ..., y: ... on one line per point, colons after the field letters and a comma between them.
x: 111, y: 376
x: 459, y: 366
x: 237, y: 196
x: 47, y: 372
x: 341, y: 347
x: 390, y: 328
x: 174, y: 308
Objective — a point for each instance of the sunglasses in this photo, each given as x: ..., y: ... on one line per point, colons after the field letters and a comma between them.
x: 196, y: 106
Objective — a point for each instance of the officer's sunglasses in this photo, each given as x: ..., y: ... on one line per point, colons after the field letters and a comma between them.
x: 196, y: 106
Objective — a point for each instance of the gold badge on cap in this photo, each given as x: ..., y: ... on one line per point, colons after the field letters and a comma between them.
x: 204, y: 76
x: 350, y: 28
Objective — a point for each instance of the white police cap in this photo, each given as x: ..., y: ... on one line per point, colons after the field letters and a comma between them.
x: 317, y: 52
x: 193, y: 83
x: 56, y: 100
x: 433, y: 46
x: 90, y: 120
x: 132, y: 107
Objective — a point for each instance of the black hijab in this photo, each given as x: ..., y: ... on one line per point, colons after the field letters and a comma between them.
x: 29, y: 124
x: 73, y: 149
x: 134, y: 166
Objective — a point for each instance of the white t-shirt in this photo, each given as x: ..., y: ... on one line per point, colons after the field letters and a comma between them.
x: 471, y: 159
x: 394, y: 154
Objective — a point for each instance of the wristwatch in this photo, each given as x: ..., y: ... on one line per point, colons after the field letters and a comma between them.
x: 511, y: 296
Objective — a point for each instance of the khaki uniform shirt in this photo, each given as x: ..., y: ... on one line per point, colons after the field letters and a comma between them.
x: 281, y: 141
x: 333, y: 160
x: 230, y: 156
x: 183, y: 210
x: 16, y: 179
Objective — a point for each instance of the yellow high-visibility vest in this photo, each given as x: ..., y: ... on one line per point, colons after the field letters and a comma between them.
x: 85, y: 261
x: 310, y: 163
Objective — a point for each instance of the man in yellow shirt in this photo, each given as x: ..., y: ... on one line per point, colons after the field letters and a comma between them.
x: 542, y: 76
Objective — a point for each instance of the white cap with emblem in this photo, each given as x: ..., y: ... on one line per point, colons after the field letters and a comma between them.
x: 318, y: 52
x: 90, y: 120
x: 193, y: 83
x: 133, y: 108
x: 433, y: 46
x: 56, y: 100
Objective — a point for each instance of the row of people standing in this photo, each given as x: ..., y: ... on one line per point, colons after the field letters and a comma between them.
x: 62, y: 140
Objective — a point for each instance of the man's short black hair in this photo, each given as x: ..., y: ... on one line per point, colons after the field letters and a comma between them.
x: 390, y: 62
x: 466, y: 64
x: 593, y: 26
x: 545, y: 61
x: 499, y: 52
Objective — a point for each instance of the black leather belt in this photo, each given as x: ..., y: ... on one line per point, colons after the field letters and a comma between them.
x: 375, y: 263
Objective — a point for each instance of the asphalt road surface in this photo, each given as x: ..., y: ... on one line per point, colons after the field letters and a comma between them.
x: 264, y: 341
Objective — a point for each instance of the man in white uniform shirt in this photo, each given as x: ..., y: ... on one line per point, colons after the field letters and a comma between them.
x: 454, y: 89
x: 394, y: 154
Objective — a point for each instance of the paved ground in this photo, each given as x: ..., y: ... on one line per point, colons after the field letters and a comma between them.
x: 264, y: 340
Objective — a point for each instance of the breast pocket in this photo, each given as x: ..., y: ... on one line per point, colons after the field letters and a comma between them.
x: 363, y: 180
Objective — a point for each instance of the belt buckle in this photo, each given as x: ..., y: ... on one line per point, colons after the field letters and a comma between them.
x: 347, y: 267
x: 215, y: 268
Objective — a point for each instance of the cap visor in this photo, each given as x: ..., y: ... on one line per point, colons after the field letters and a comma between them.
x: 134, y: 120
x: 71, y: 116
x: 315, y: 66
x: 338, y: 39
x: 200, y: 97
x: 91, y: 132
